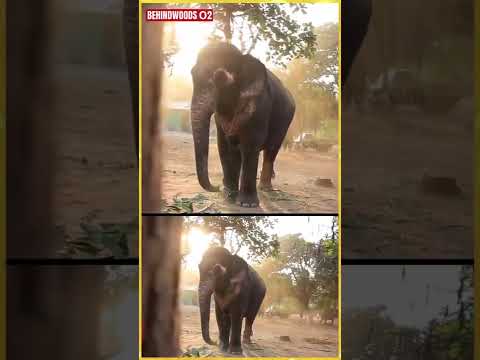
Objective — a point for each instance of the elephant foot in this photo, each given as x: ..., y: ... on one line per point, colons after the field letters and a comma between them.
x: 267, y: 187
x: 246, y: 339
x: 224, y: 346
x: 230, y: 195
x: 235, y: 349
x: 249, y: 200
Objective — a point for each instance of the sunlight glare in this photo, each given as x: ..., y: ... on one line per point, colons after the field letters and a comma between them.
x: 191, y: 37
x: 198, y: 243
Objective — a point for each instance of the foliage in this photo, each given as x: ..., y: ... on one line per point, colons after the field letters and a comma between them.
x: 279, y: 285
x: 312, y: 268
x: 240, y: 232
x: 99, y: 239
x: 313, y: 83
x: 198, y: 203
x: 170, y: 47
x: 202, y: 351
x: 453, y: 333
x: 119, y: 278
x: 363, y: 327
x: 271, y: 23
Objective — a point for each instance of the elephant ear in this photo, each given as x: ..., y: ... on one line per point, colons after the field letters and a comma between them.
x: 252, y: 77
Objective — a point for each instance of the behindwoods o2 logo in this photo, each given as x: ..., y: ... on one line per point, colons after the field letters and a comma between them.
x: 179, y: 14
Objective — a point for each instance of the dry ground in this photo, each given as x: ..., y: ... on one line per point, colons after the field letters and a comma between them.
x: 385, y: 213
x: 96, y: 165
x: 296, y: 172
x: 266, y: 333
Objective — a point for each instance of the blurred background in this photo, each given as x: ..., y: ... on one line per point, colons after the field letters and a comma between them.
x: 407, y: 312
x: 407, y: 134
x: 296, y: 256
x: 299, y: 44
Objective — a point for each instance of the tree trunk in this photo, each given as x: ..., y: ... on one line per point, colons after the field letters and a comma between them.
x: 160, y: 277
x: 222, y: 236
x: 227, y: 24
x: 52, y: 312
x: 152, y: 67
x: 30, y: 156
x: 160, y: 235
x: 130, y: 38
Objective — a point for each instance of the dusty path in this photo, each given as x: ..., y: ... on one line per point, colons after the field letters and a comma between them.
x: 384, y: 211
x: 266, y: 333
x: 296, y: 172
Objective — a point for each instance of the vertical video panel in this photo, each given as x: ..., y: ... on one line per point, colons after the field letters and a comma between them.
x: 253, y: 286
x: 71, y: 139
x: 249, y: 108
x: 72, y: 311
x: 407, y: 129
x: 407, y: 312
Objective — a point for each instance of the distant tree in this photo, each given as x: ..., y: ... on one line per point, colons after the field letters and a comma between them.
x: 279, y: 285
x: 312, y: 268
x: 366, y: 327
x: 453, y: 331
x: 241, y: 232
x: 314, y: 84
x: 298, y: 260
x: 326, y: 268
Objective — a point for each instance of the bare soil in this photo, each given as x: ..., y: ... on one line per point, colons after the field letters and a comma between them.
x: 296, y: 182
x: 322, y: 339
x: 385, y: 212
x: 96, y: 163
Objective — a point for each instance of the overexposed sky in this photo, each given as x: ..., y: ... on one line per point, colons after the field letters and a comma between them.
x: 312, y: 228
x: 192, y: 36
x: 367, y: 286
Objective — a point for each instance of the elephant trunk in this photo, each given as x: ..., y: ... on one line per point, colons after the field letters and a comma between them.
x: 201, y: 111
x: 204, y: 298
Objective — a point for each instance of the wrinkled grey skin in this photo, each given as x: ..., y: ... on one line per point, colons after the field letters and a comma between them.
x: 253, y: 111
x: 238, y: 292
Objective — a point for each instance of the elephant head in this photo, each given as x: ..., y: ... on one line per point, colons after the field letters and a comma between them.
x: 222, y: 273
x: 227, y: 83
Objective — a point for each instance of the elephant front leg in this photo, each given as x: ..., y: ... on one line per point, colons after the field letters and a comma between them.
x: 248, y: 184
x: 223, y: 321
x: 231, y: 161
x: 235, y: 335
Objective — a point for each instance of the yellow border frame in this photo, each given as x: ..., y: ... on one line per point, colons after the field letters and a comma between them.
x: 3, y: 177
x: 476, y: 164
x: 339, y: 192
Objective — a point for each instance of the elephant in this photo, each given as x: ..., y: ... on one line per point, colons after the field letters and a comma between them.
x: 253, y: 111
x: 238, y: 293
x: 356, y: 16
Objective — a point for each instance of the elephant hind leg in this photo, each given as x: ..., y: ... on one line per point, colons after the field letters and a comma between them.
x: 267, y: 173
x: 252, y: 312
x: 248, y: 332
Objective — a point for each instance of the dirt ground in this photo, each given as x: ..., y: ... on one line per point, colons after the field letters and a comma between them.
x: 96, y: 165
x: 266, y: 333
x: 385, y: 212
x: 296, y: 173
